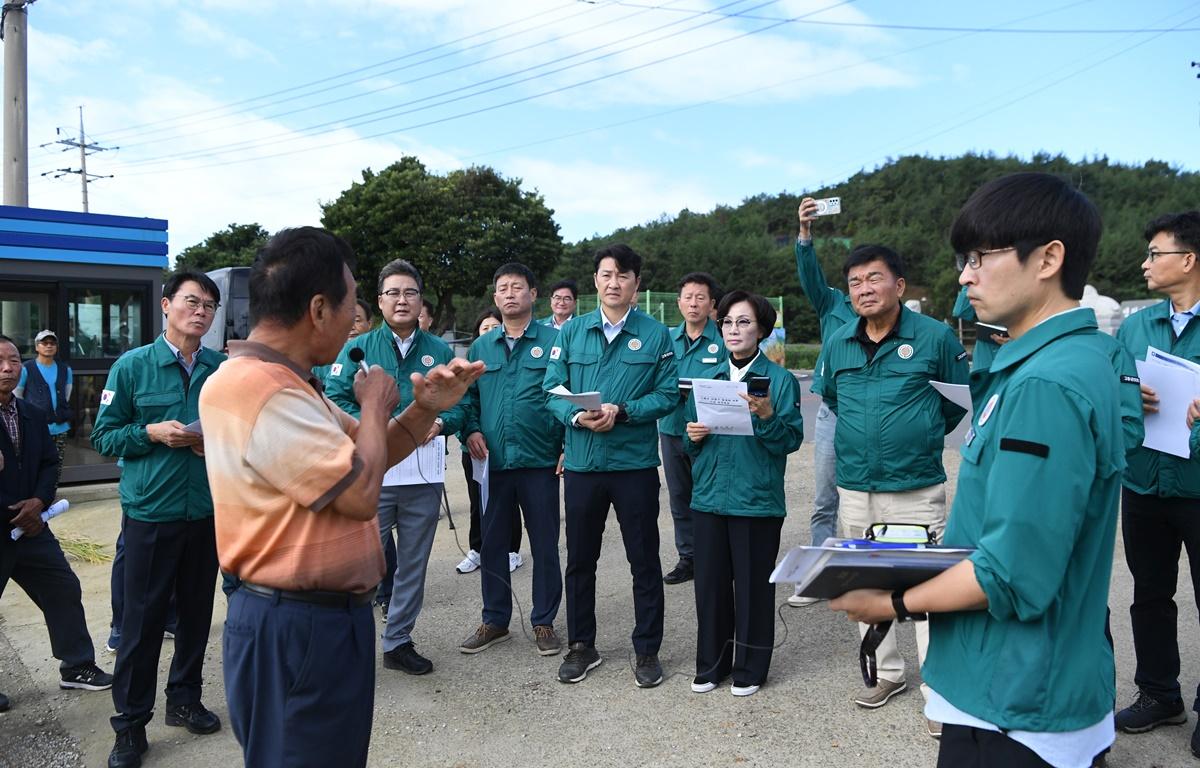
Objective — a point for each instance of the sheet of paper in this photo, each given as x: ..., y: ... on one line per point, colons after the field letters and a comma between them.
x: 1154, y: 355
x: 959, y: 394
x: 1176, y: 387
x: 479, y: 473
x: 719, y: 408
x: 589, y: 401
x: 425, y: 465
x: 194, y: 428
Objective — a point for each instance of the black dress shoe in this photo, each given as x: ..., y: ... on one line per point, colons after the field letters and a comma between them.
x: 3, y: 703
x: 683, y: 571
x: 406, y: 659
x: 128, y: 749
x: 195, y: 717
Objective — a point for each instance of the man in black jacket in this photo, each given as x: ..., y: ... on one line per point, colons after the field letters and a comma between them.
x: 28, y: 470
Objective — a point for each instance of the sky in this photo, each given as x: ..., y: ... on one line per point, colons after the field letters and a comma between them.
x: 617, y: 111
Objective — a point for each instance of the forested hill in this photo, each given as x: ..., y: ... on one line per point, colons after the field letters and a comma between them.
x: 907, y: 204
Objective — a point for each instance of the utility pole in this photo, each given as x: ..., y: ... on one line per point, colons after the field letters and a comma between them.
x: 84, y: 150
x: 13, y: 27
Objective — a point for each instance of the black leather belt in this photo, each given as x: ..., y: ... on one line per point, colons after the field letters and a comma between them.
x: 316, y: 597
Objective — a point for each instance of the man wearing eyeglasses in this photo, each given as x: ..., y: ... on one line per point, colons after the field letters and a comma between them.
x: 890, y: 422
x: 563, y: 296
x: 1160, y: 500
x: 401, y: 348
x: 146, y: 408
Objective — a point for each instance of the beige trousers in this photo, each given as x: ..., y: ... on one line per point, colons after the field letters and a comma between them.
x: 857, y: 511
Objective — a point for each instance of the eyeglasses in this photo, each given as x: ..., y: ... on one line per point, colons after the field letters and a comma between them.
x: 561, y: 299
x: 974, y: 259
x: 195, y: 302
x: 742, y: 323
x: 49, y: 341
x: 1152, y: 254
x: 410, y: 294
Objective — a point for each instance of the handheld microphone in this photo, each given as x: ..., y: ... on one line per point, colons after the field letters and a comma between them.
x: 356, y: 356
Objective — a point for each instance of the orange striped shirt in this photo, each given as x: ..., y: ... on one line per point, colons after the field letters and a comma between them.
x: 278, y: 453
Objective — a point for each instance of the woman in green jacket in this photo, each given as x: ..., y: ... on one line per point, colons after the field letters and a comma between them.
x: 738, y: 506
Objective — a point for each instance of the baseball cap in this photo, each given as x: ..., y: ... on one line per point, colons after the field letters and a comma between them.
x: 45, y: 335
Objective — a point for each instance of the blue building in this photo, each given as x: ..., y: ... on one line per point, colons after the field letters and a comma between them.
x: 93, y: 279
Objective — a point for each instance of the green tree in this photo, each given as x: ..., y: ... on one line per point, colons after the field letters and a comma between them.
x: 456, y: 229
x: 234, y: 246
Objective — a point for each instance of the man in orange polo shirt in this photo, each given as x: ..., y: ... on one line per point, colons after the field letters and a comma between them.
x: 295, y: 485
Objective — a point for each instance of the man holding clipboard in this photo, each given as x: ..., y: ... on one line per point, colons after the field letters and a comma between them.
x: 1019, y: 670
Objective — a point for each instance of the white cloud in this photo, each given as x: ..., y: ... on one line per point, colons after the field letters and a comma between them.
x: 589, y: 197
x: 55, y: 59
x: 202, y: 31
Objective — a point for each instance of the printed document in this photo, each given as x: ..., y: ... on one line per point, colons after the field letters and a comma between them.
x: 427, y: 464
x: 719, y: 408
x: 588, y: 401
x: 1176, y: 386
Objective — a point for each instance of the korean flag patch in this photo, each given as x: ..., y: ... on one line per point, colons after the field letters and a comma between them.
x: 555, y: 353
x: 106, y: 396
x: 335, y: 369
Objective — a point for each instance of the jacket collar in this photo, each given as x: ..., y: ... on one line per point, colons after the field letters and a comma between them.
x: 163, y: 355
x: 710, y: 332
x: 258, y: 351
x: 595, y: 319
x: 1066, y: 323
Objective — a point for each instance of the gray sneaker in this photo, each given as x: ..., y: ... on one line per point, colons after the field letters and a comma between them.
x: 581, y: 658
x: 548, y: 643
x: 648, y: 672
x: 873, y: 698
x: 485, y: 637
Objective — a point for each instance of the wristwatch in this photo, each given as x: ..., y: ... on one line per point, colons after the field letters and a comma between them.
x: 902, y: 613
x: 440, y: 424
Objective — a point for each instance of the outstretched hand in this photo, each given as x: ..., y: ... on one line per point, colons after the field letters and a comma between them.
x: 442, y: 387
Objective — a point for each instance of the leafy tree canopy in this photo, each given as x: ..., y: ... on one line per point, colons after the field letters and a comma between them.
x: 234, y: 246
x: 456, y: 229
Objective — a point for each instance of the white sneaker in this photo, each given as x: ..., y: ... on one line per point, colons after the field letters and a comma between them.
x: 702, y: 686
x: 514, y: 561
x: 799, y: 601
x: 469, y: 563
x: 743, y: 690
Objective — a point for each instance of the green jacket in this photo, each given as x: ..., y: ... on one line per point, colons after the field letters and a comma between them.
x: 1130, y: 391
x: 832, y: 306
x: 985, y: 348
x: 379, y: 348
x: 891, y: 423
x: 742, y: 475
x: 637, y: 369
x: 508, y: 405
x: 1037, y: 498
x: 699, y: 359
x: 1151, y: 472
x: 145, y: 386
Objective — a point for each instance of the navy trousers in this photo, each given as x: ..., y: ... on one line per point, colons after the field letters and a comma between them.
x: 38, y: 566
x: 536, y: 491
x: 634, y: 496
x: 300, y: 681
x: 117, y: 594
x: 161, y: 560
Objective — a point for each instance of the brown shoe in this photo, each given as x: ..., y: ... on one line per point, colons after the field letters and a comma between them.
x: 548, y: 643
x: 873, y: 698
x: 485, y: 637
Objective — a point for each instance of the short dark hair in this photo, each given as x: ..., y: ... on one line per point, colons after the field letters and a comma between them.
x: 428, y: 305
x: 516, y: 268
x: 701, y: 278
x: 627, y: 259
x: 4, y: 339
x: 484, y: 315
x: 399, y: 267
x: 1184, y: 227
x: 366, y: 307
x: 764, y: 313
x: 294, y: 266
x: 1026, y: 210
x: 173, y: 283
x: 865, y: 254
x: 569, y: 284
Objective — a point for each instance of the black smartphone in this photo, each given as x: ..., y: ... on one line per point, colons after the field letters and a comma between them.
x: 758, y: 386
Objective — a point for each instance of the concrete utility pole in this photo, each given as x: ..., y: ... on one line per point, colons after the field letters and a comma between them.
x: 13, y: 26
x: 84, y: 150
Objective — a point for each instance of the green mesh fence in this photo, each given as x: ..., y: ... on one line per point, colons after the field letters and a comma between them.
x: 662, y: 305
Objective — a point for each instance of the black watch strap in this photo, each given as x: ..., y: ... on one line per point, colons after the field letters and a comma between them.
x: 902, y: 613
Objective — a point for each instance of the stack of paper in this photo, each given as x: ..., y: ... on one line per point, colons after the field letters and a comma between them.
x: 841, y: 565
x: 1176, y: 382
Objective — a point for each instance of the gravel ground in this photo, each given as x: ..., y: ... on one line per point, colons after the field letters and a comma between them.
x: 505, y: 707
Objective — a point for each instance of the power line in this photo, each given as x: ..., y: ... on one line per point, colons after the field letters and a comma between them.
x: 397, y: 110
x: 374, y: 91
x: 359, y: 70
x: 925, y: 28
x: 85, y: 149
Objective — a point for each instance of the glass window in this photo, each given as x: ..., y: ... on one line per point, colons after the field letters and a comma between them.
x: 22, y: 315
x: 85, y: 400
x: 104, y: 322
